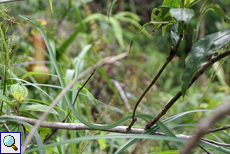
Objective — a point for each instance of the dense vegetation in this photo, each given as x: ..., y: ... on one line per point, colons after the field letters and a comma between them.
x: 135, y: 76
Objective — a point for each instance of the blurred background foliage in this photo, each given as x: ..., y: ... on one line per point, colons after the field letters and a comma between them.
x: 81, y: 34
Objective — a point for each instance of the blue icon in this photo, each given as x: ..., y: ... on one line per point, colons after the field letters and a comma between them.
x: 9, y: 141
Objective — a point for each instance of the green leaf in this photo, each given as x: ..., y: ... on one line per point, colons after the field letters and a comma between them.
x: 25, y: 124
x: 161, y: 14
x: 188, y: 2
x: 39, y: 107
x: 102, y: 142
x: 33, y: 85
x: 14, y: 127
x: 6, y: 100
x: 68, y: 41
x: 161, y: 17
x: 35, y: 73
x: 194, y: 3
x: 172, y: 3
x: 168, y: 152
x: 167, y: 131
x: 111, y: 7
x: 6, y: 49
x: 97, y: 137
x: 43, y: 132
x: 214, y: 7
x: 107, y: 79
x: 51, y: 6
x: 182, y: 14
x: 122, y: 136
x: 155, y: 128
x: 117, y: 29
x: 174, y: 33
x: 201, y: 52
x: 58, y: 146
x: 19, y: 92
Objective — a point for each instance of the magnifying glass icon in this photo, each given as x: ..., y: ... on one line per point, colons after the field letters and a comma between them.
x: 9, y: 141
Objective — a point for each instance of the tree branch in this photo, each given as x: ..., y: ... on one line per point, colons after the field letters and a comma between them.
x: 118, y: 129
x: 72, y: 126
x: 199, y: 72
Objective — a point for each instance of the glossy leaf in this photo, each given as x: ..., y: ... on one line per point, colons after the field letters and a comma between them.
x: 201, y: 52
x: 182, y: 14
x: 38, y: 107
x: 172, y: 3
x: 174, y: 33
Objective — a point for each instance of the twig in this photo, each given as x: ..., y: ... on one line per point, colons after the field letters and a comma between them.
x: 172, y: 52
x: 72, y: 126
x: 63, y: 121
x: 6, y: 1
x: 218, y: 129
x: 108, y: 60
x: 205, y: 124
x: 118, y: 129
x: 178, y: 95
x: 7, y: 128
x: 205, y: 150
x: 216, y: 143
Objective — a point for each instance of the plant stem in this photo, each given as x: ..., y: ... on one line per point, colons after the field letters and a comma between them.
x: 178, y: 95
x: 4, y: 87
x: 172, y: 52
x: 63, y: 121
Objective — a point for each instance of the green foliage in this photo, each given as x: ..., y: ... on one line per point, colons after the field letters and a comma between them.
x: 201, y: 52
x: 38, y: 107
x: 19, y: 92
x: 168, y: 132
x: 182, y: 14
x: 169, y: 3
x: 214, y: 7
x: 78, y: 35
